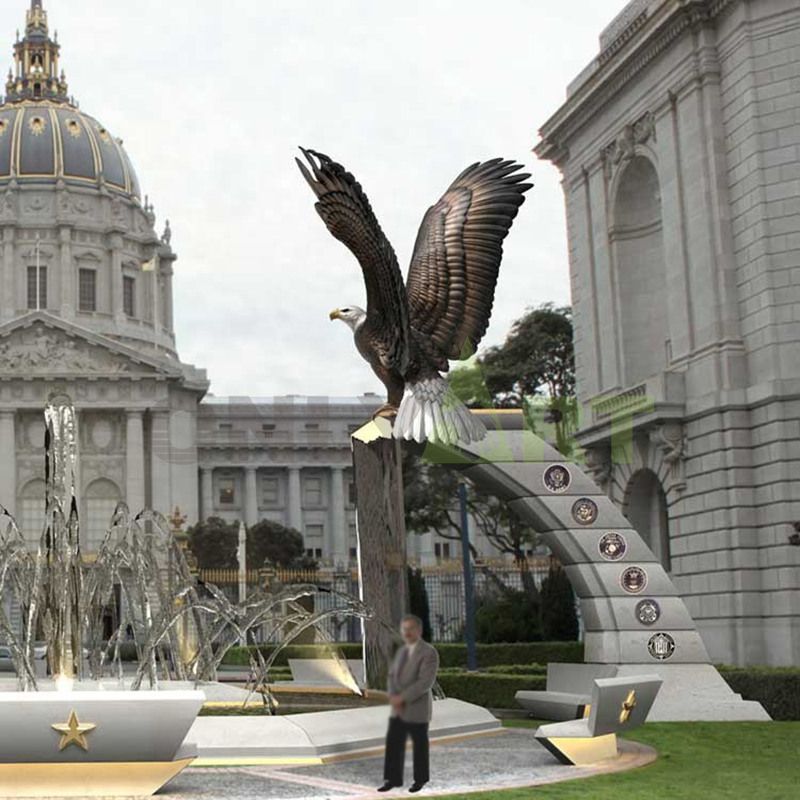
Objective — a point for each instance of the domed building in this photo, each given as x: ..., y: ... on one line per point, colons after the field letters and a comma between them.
x: 85, y: 306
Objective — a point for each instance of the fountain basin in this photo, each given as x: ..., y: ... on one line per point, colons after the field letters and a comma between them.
x: 94, y: 743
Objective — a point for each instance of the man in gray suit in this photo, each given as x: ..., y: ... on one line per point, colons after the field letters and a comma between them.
x: 411, y: 678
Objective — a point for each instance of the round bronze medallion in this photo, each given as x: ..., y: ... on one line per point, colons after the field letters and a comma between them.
x: 612, y: 546
x: 633, y: 580
x: 661, y: 646
x: 557, y: 478
x: 584, y: 511
x: 648, y: 611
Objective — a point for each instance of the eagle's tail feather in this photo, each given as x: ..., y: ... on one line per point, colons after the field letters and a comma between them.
x: 431, y: 412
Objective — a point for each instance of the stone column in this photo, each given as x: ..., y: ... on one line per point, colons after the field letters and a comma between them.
x: 338, y: 523
x: 295, y: 500
x: 8, y: 461
x: 207, y: 492
x: 9, y: 295
x: 68, y: 279
x: 160, y: 461
x: 250, y: 496
x: 134, y: 466
x: 116, y: 278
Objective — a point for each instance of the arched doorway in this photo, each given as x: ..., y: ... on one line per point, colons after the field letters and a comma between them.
x: 646, y: 509
x: 638, y: 244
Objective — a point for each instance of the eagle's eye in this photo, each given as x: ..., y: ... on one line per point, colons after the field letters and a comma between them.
x: 345, y: 311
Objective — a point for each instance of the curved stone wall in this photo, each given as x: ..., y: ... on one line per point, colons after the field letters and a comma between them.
x: 631, y: 610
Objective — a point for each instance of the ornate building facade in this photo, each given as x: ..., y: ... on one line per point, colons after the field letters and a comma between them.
x: 679, y: 147
x: 86, y: 308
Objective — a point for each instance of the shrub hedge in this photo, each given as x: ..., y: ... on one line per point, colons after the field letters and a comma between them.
x: 451, y: 655
x: 491, y: 690
x: 776, y: 688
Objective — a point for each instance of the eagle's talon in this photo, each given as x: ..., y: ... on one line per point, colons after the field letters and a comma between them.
x: 387, y: 411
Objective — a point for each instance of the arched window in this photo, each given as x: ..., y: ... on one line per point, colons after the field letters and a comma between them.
x: 31, y: 510
x: 638, y: 243
x: 101, y: 499
x: 647, y: 511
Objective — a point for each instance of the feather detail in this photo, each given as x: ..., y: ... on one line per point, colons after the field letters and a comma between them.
x: 430, y: 411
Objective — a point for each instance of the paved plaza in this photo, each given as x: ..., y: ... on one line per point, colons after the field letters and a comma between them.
x: 510, y: 758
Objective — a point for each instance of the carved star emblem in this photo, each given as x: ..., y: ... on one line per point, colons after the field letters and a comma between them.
x: 628, y: 704
x: 73, y: 731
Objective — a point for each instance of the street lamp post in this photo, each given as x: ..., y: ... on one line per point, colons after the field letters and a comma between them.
x: 469, y: 587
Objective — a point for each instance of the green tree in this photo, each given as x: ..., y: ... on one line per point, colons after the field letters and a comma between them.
x: 418, y: 601
x: 508, y: 616
x: 214, y: 543
x: 271, y: 543
x: 431, y: 502
x: 559, y: 620
x: 537, y: 360
x: 469, y: 385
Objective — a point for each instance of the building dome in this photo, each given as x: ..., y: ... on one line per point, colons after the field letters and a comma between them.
x: 45, y: 141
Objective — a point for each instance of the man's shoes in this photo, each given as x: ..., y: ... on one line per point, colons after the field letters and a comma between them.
x: 386, y: 786
x: 415, y: 787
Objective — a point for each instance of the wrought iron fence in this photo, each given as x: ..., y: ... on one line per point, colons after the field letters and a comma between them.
x: 444, y: 584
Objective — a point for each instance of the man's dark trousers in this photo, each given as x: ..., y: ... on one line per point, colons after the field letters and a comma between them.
x: 395, y: 756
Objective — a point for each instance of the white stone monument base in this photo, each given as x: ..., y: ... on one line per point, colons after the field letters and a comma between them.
x: 94, y: 743
x: 318, y: 737
x: 694, y: 693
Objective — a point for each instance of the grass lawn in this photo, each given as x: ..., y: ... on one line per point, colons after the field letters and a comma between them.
x: 696, y: 761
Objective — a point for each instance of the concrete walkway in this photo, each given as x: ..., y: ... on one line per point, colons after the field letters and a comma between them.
x: 504, y: 760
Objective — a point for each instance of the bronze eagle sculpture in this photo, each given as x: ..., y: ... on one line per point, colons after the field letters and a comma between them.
x: 410, y: 332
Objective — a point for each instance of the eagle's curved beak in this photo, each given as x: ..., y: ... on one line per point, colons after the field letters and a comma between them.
x: 335, y: 314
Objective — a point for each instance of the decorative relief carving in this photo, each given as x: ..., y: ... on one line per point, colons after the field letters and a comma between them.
x: 9, y: 207
x: 623, y: 148
x: 36, y: 204
x: 584, y: 511
x: 556, y: 478
x: 598, y: 465
x: 40, y: 350
x: 661, y: 646
x: 670, y: 439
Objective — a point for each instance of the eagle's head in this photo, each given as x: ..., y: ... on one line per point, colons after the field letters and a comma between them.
x: 352, y: 315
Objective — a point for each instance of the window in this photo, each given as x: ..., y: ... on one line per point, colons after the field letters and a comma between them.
x: 314, y: 531
x: 353, y: 553
x: 313, y: 540
x: 227, y: 491
x: 312, y: 426
x: 442, y: 551
x: 312, y: 491
x: 129, y: 295
x: 270, y: 490
x: 87, y: 290
x: 32, y: 286
x: 225, y: 426
x: 351, y: 493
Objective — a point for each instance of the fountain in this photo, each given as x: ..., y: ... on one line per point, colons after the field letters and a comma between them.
x: 93, y: 727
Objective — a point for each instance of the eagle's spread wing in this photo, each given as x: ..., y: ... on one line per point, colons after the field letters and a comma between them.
x: 453, y: 272
x: 345, y: 209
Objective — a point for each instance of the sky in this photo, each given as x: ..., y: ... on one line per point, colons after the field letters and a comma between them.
x: 212, y: 100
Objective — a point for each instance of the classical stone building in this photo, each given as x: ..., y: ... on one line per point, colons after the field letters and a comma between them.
x: 679, y: 146
x: 86, y: 308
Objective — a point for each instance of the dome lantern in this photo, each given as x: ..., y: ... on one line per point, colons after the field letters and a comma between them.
x: 44, y: 136
x: 36, y: 55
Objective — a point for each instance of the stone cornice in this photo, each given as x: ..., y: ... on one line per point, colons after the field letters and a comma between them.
x: 633, y: 50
